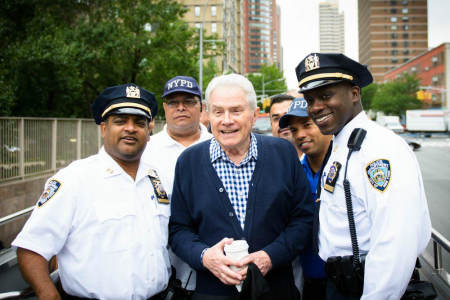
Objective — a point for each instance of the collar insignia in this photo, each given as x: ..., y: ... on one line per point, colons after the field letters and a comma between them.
x: 133, y: 92
x: 312, y: 63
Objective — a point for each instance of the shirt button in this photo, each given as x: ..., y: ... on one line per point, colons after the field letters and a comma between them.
x: 230, y: 214
x: 221, y: 190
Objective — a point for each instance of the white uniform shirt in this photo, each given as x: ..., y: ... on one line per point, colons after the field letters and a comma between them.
x: 162, y: 152
x: 108, y: 231
x: 392, y: 223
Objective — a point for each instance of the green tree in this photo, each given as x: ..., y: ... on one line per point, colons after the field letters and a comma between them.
x: 394, y: 98
x: 271, y: 77
x: 61, y: 54
x: 367, y: 95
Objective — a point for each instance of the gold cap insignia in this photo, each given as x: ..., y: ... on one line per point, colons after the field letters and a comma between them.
x: 133, y: 92
x: 311, y: 63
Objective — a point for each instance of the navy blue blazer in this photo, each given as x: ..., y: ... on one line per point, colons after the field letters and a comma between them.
x: 278, y: 217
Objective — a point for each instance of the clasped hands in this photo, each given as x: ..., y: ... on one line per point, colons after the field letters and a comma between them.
x: 217, y: 263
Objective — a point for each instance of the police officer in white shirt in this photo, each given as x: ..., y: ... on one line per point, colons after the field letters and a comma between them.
x: 182, y: 107
x: 104, y: 217
x: 390, y: 212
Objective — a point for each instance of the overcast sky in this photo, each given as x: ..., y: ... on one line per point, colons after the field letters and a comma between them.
x: 300, y: 29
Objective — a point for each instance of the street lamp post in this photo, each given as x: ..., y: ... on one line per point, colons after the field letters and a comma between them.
x: 200, y: 71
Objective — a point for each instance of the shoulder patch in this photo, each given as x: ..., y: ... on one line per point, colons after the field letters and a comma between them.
x: 379, y: 174
x: 50, y: 190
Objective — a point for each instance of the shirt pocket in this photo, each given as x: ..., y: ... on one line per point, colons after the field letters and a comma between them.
x: 162, y: 213
x: 115, y: 228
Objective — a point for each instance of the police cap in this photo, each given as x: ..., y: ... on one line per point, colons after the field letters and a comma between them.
x: 127, y: 99
x: 182, y: 84
x: 298, y: 108
x: 319, y: 69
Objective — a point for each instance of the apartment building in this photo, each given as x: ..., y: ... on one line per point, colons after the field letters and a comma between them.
x: 391, y: 32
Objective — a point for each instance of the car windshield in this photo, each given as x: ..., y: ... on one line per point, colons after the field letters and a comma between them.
x: 262, y: 123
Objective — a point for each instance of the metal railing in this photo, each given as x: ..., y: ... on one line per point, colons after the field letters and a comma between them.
x: 33, y: 146
x: 439, y: 243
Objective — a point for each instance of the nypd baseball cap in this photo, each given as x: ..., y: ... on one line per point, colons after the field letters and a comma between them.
x: 298, y: 108
x: 182, y: 84
x: 127, y: 99
x: 320, y: 69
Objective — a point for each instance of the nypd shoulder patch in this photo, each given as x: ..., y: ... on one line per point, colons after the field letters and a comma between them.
x: 379, y: 174
x: 50, y: 190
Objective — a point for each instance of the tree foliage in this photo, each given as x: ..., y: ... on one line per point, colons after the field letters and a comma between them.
x: 394, y: 98
x: 271, y: 77
x: 367, y: 95
x: 61, y: 54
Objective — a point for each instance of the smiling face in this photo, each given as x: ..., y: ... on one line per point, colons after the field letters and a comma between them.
x: 333, y: 106
x: 307, y: 136
x: 125, y: 136
x: 231, y: 118
x: 182, y: 111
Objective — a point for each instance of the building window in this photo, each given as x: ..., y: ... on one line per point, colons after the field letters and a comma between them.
x: 435, y: 79
x: 394, y: 44
x: 394, y: 27
x: 405, y: 35
x: 394, y: 19
x: 394, y: 52
x: 394, y: 35
x: 405, y: 19
x: 405, y: 27
x: 413, y: 69
x: 213, y: 27
x: 406, y: 52
x: 393, y: 2
x: 393, y: 11
x: 198, y: 25
x: 405, y: 2
x: 394, y: 60
x: 197, y: 11
x: 405, y: 60
x: 213, y: 11
x: 404, y: 10
x: 405, y: 43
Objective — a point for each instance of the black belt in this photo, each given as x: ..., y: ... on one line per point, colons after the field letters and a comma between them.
x: 65, y: 296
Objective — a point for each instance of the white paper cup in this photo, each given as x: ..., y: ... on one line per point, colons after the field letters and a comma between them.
x: 235, y: 251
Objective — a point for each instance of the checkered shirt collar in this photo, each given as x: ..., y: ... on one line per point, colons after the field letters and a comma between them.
x: 216, y: 152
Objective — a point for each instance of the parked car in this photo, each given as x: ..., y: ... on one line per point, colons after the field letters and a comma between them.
x: 262, y: 125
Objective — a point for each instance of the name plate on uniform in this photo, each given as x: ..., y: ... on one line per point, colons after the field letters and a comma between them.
x: 332, y: 176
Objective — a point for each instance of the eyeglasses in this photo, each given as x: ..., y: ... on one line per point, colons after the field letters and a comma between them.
x: 172, y: 103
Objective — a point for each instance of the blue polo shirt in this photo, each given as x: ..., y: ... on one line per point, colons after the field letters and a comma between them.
x: 312, y: 264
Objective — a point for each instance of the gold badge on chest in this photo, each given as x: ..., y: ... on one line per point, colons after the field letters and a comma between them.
x: 332, y: 176
x: 161, y: 194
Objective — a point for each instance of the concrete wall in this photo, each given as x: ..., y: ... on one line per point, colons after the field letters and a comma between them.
x: 14, y: 197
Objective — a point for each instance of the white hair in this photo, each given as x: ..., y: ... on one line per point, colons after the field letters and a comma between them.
x: 232, y: 80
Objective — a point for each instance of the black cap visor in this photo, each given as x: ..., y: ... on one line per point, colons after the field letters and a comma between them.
x: 128, y: 111
x: 319, y: 83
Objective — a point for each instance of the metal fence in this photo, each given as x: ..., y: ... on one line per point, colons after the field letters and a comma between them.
x: 33, y: 146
